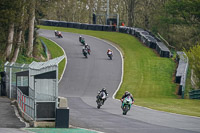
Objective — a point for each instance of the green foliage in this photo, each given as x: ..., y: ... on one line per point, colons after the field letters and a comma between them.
x: 184, y: 11
x: 194, y: 60
x: 39, y: 52
x: 24, y: 59
x: 54, y: 50
x: 178, y: 22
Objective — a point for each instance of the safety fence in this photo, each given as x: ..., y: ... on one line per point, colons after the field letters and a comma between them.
x: 37, y: 110
x: 35, y: 86
x: 11, y: 69
x: 26, y: 103
x: 194, y: 94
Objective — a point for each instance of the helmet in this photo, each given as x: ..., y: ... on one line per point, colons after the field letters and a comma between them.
x: 103, y: 89
x: 126, y: 92
x: 86, y: 44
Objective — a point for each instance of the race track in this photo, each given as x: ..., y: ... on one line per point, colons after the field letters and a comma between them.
x: 84, y: 77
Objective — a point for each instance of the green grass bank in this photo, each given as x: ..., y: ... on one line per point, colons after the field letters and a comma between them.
x: 147, y: 76
x: 55, y: 51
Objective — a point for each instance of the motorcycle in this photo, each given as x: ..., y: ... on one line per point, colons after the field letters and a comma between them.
x: 110, y: 55
x: 56, y: 33
x: 60, y: 35
x: 82, y: 40
x: 126, y: 104
x: 85, y: 53
x: 101, y: 97
x: 88, y: 49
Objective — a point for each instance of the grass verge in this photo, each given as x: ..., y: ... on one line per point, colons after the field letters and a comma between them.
x: 55, y: 51
x: 147, y: 76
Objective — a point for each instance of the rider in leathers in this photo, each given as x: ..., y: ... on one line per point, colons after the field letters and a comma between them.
x: 126, y: 94
x: 103, y: 90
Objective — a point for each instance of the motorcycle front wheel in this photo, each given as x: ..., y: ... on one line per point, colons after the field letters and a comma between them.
x: 125, y: 109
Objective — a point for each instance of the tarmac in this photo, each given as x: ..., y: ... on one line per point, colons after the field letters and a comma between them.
x: 8, y: 118
x: 10, y: 123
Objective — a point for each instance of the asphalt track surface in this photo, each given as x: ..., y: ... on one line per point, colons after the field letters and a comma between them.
x: 9, y: 122
x: 84, y: 77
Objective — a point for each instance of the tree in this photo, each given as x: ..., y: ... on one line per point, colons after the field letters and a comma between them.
x: 184, y: 18
x: 131, y: 11
x: 31, y: 27
x: 184, y: 11
x: 10, y: 41
x: 9, y: 10
x: 19, y: 34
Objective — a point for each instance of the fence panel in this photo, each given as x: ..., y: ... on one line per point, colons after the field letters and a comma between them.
x: 26, y: 103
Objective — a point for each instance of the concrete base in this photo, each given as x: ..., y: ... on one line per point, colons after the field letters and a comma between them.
x: 44, y: 124
x: 62, y: 102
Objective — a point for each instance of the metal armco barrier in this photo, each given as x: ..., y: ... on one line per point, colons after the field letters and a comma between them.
x: 181, y: 72
x: 44, y: 46
x: 194, y: 94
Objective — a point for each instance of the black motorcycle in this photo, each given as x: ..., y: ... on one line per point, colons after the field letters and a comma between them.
x: 110, y: 56
x: 85, y: 53
x: 101, y: 97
